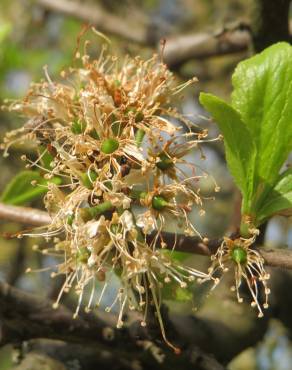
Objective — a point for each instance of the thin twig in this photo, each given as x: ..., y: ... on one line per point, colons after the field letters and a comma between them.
x: 97, y: 16
x: 24, y: 215
x: 178, y: 49
x: 25, y: 316
x: 279, y: 257
x: 273, y: 257
x: 181, y: 49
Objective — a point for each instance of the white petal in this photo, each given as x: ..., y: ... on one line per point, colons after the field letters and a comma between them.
x: 127, y: 220
x: 93, y: 227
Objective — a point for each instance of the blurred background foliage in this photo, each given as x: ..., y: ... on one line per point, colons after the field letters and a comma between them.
x: 31, y: 37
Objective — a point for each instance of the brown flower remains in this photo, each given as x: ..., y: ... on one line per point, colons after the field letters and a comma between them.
x: 248, y: 266
x: 108, y: 133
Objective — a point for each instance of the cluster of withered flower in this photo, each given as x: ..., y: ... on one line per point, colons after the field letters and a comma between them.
x: 118, y: 149
x: 248, y: 265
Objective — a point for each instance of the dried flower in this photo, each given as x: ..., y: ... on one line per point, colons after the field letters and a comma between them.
x: 248, y: 266
x: 92, y: 126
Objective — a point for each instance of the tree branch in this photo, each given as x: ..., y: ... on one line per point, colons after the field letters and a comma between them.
x: 97, y: 16
x: 24, y: 215
x: 277, y: 257
x: 22, y: 309
x: 267, y: 15
x: 273, y: 257
x: 25, y: 317
x: 178, y: 49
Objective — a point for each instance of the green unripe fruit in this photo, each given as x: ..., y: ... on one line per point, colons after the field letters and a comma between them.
x: 82, y: 255
x: 239, y: 255
x: 109, y: 146
x: 87, y: 180
x: 70, y: 220
x: 159, y: 203
x: 165, y: 162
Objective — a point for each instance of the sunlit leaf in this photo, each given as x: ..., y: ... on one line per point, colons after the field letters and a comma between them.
x: 239, y: 145
x: 262, y: 96
x: 257, y: 126
x: 279, y: 199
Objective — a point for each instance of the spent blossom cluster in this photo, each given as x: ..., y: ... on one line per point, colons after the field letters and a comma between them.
x: 117, y: 147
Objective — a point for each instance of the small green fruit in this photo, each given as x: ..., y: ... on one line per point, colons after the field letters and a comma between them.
x: 70, y: 219
x: 239, y: 255
x: 88, y: 180
x: 109, y: 146
x: 159, y: 203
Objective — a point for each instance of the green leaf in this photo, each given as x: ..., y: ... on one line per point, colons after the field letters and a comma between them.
x: 279, y: 198
x: 19, y: 190
x: 262, y: 96
x: 259, y: 117
x: 239, y: 144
